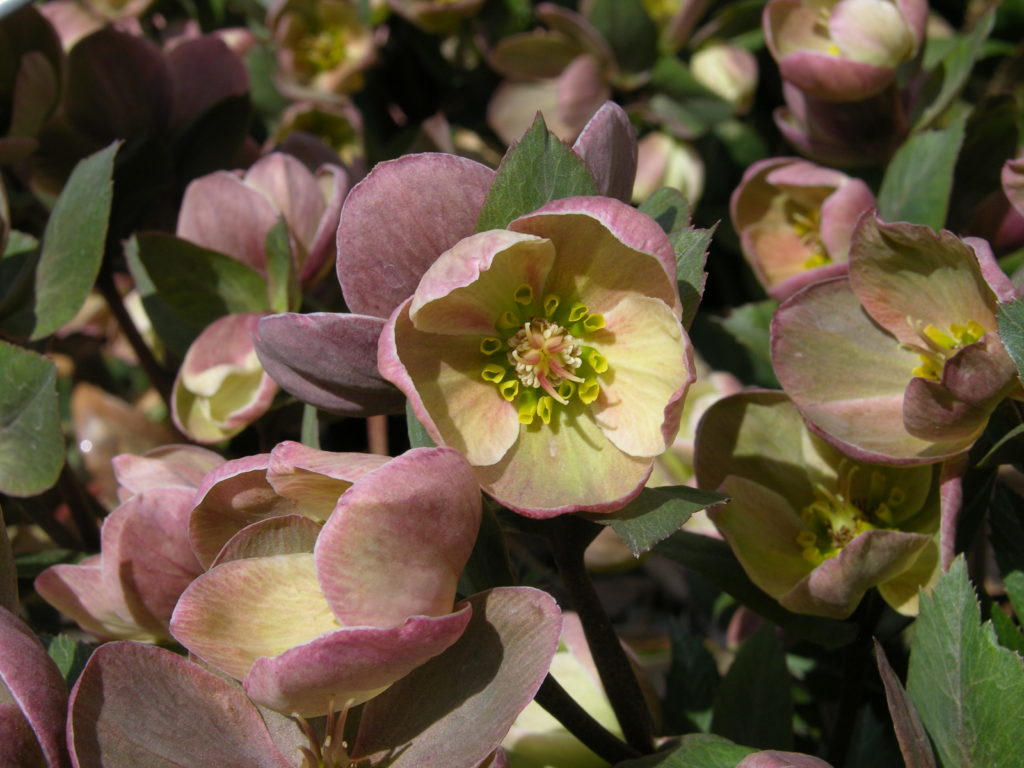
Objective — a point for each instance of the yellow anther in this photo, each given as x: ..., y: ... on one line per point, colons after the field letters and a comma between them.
x: 883, y: 513
x: 493, y: 372
x: 974, y: 332
x: 897, y: 497
x: 940, y: 338
x: 566, y: 390
x: 523, y: 294
x: 491, y: 344
x: 509, y: 389
x: 817, y: 260
x: 806, y: 539
x: 813, y: 556
x: 527, y: 410
x: 577, y: 311
x: 550, y: 305
x: 593, y: 323
x: 545, y: 407
x: 597, y: 361
x: 589, y: 390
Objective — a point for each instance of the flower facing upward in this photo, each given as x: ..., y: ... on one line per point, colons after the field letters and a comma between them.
x: 550, y: 354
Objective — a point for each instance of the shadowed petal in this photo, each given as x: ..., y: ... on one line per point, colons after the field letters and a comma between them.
x: 348, y: 666
x: 315, y: 479
x: 183, y: 717
x: 398, y: 219
x: 399, y: 539
x: 78, y: 591
x: 335, y: 366
x: 285, y: 535
x: 168, y: 466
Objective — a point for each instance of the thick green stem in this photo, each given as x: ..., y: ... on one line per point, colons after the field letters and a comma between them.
x: 569, y: 537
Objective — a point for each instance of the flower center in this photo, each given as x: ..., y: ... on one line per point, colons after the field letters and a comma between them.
x: 328, y: 750
x: 938, y: 346
x: 545, y: 360
x: 806, y: 223
x: 836, y: 517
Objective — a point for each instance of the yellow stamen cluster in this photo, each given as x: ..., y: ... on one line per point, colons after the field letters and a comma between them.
x: 938, y: 346
x: 836, y: 517
x: 806, y: 223
x: 545, y: 361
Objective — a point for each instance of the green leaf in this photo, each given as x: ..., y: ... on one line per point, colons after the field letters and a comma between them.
x: 670, y: 209
x: 657, y: 513
x: 945, y: 83
x: 418, y: 435
x: 536, y: 170
x: 69, y: 655
x: 691, y: 680
x: 1010, y: 317
x: 696, y: 750
x: 283, y: 288
x: 750, y: 325
x: 31, y: 564
x: 967, y: 689
x: 1014, y: 584
x: 754, y: 704
x: 489, y: 564
x: 1007, y: 633
x: 714, y: 560
x: 629, y: 30
x: 189, y: 287
x: 31, y: 442
x: 309, y: 434
x: 919, y: 179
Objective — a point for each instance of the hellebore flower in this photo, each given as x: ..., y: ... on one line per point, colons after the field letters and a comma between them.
x: 843, y: 50
x: 729, y: 71
x: 795, y: 220
x: 323, y: 48
x: 221, y: 387
x: 550, y: 354
x: 33, y: 700
x: 812, y: 527
x: 335, y: 368
x: 901, y: 361
x: 314, y: 619
x: 436, y: 16
x: 128, y: 591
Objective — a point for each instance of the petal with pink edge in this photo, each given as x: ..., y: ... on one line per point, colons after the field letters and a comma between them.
x: 244, y: 609
x: 607, y: 145
x: 351, y: 665
x: 231, y: 497
x: 441, y: 377
x: 902, y: 591
x: 335, y: 366
x: 222, y: 213
x: 183, y: 717
x: 762, y: 528
x: 167, y: 466
x: 472, y: 283
x: 905, y: 273
x: 485, y: 679
x: 285, y: 535
x: 78, y: 591
x: 830, y: 78
x: 567, y: 466
x: 650, y: 368
x: 836, y: 587
x: 1012, y: 177
x: 774, y: 759
x: 399, y: 539
x: 846, y: 375
x: 315, y: 479
x: 398, y: 219
x: 294, y: 192
x: 606, y: 250
x: 35, y: 685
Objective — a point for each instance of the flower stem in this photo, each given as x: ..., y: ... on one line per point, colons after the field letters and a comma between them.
x: 566, y: 710
x: 569, y: 536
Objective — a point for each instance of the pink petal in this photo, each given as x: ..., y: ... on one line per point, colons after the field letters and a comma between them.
x: 335, y: 366
x: 204, y: 72
x: 296, y: 195
x: 605, y: 250
x: 78, y: 591
x: 284, y: 535
x: 608, y: 146
x: 183, y: 717
x: 582, y: 88
x: 348, y: 666
x: 831, y: 78
x: 399, y: 539
x: 465, y: 290
x: 391, y: 229
x: 441, y: 377
x: 651, y: 367
x: 182, y: 466
x: 35, y: 685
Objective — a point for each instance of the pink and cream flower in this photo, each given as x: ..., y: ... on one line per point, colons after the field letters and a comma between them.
x: 551, y: 354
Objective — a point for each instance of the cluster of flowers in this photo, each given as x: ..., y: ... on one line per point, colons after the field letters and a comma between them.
x: 547, y: 358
